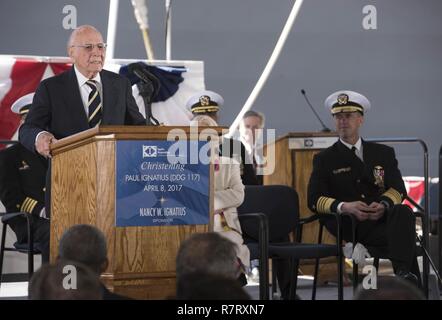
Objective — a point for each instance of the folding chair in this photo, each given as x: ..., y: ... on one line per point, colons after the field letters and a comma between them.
x: 382, y: 252
x: 27, y: 248
x: 276, y: 208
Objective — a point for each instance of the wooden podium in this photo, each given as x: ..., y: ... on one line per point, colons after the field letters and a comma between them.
x: 141, y: 259
x: 293, y: 165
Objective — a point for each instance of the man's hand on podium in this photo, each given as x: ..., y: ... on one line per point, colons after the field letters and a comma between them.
x: 43, y: 144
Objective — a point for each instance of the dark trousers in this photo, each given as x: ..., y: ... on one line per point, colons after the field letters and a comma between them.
x: 282, y: 268
x: 283, y: 272
x: 48, y: 190
x: 40, y: 229
x: 394, y: 234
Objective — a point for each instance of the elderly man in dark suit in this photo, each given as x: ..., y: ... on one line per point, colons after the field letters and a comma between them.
x: 79, y: 98
x: 22, y: 187
x: 363, y: 179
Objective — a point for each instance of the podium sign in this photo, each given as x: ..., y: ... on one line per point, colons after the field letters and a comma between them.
x: 157, y: 184
x: 138, y: 185
x: 304, y: 143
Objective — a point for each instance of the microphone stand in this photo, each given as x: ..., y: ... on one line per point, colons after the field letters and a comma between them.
x: 146, y: 92
x: 419, y: 238
x: 324, y: 127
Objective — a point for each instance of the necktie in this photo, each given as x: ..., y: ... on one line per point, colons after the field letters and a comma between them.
x: 255, y: 164
x: 354, y: 150
x: 356, y: 153
x: 94, y: 104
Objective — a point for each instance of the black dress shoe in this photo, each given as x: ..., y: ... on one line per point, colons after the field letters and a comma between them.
x: 242, y: 280
x: 411, y: 277
x: 297, y: 297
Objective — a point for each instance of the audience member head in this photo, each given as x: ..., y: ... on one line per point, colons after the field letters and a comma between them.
x: 86, y: 244
x: 65, y: 280
x: 204, y: 286
x: 390, y: 288
x: 207, y: 253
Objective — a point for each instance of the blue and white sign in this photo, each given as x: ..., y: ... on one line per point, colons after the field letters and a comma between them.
x: 158, y: 185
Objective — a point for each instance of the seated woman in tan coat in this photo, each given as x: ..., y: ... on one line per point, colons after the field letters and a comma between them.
x: 229, y: 194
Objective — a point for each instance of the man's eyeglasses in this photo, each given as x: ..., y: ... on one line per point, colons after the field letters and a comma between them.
x: 90, y: 47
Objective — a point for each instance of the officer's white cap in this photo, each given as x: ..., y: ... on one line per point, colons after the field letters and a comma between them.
x: 22, y: 105
x: 346, y: 101
x: 205, y: 101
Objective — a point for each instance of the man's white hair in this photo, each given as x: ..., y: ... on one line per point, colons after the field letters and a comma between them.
x: 80, y: 30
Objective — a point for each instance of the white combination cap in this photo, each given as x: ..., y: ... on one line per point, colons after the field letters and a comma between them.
x: 205, y: 101
x: 22, y: 105
x: 346, y: 101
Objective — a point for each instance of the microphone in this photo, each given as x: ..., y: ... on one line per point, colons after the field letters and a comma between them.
x: 148, y: 88
x: 140, y: 74
x: 139, y: 70
x: 324, y: 127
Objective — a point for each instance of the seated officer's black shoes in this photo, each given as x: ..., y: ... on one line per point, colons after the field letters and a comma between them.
x: 296, y: 297
x: 242, y: 280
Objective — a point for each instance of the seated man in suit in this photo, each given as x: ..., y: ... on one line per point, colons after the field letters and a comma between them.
x: 208, y: 103
x: 22, y: 187
x: 363, y: 179
x: 86, y: 244
x: 250, y: 130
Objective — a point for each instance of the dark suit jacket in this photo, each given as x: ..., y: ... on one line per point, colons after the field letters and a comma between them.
x: 339, y: 175
x: 22, y: 183
x: 232, y: 148
x: 58, y: 108
x: 22, y: 180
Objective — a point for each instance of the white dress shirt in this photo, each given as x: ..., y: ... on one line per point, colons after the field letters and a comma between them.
x: 359, y: 153
x: 359, y: 148
x: 85, y: 90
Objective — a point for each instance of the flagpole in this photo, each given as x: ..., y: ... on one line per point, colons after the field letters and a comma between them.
x: 141, y: 12
x: 268, y: 68
x: 168, y: 30
x: 112, y: 28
